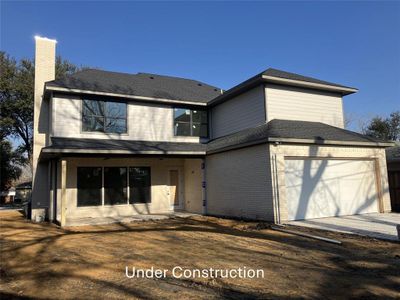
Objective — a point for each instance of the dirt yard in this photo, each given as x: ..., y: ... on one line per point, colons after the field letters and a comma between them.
x: 46, y: 262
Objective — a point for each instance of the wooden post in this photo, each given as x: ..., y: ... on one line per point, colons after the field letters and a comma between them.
x: 63, y: 192
x: 379, y: 186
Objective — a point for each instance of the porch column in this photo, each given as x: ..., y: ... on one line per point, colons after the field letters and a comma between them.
x: 63, y: 191
x: 203, y: 186
x: 50, y: 179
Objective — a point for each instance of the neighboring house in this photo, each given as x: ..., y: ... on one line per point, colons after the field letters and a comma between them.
x: 113, y: 145
x: 23, y: 192
x: 7, y: 197
x: 17, y: 194
x: 393, y: 166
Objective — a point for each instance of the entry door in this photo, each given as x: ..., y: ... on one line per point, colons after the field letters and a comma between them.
x: 317, y: 188
x: 174, y: 189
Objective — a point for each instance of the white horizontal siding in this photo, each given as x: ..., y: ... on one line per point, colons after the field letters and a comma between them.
x: 239, y: 183
x: 291, y: 103
x: 241, y: 112
x: 146, y: 122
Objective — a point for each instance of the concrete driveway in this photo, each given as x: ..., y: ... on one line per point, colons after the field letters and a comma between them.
x: 376, y: 225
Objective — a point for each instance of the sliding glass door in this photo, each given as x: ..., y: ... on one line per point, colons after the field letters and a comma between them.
x: 139, y: 185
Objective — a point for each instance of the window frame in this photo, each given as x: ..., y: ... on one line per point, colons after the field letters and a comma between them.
x: 129, y: 185
x: 101, y: 186
x: 191, y: 122
x: 126, y: 194
x: 102, y: 189
x: 104, y: 101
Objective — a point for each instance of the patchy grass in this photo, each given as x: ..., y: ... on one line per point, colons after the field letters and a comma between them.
x: 44, y: 261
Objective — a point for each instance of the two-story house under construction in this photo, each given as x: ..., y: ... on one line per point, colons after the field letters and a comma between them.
x: 109, y: 146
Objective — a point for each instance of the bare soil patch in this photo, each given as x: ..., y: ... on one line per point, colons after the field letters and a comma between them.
x: 42, y: 261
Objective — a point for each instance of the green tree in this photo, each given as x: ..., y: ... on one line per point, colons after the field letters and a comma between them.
x: 385, y: 128
x: 17, y: 97
x: 10, y: 164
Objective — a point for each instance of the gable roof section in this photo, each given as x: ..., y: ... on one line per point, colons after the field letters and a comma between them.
x: 167, y: 88
x: 287, y: 131
x: 141, y: 84
x: 283, y: 78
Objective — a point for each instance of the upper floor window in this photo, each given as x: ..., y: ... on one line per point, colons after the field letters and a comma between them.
x: 188, y: 122
x: 104, y: 116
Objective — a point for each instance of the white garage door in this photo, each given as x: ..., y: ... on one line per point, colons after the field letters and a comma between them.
x: 317, y: 188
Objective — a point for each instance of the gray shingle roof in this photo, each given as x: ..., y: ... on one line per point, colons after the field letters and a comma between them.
x: 293, y: 76
x: 168, y: 87
x: 302, y: 130
x: 123, y: 145
x: 141, y: 84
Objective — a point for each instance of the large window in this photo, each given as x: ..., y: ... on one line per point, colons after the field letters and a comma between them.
x: 115, y: 185
x: 189, y: 122
x: 116, y: 182
x: 139, y: 185
x: 89, y: 186
x: 102, y: 116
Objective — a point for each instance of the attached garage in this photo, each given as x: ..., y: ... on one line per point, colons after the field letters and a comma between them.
x: 317, y: 188
x: 294, y: 170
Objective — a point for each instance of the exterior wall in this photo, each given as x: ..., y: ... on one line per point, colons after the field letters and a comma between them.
x: 160, y: 201
x: 146, y: 122
x: 193, y: 188
x: 293, y: 103
x: 44, y: 71
x: 239, y: 183
x: 279, y: 152
x: 241, y: 112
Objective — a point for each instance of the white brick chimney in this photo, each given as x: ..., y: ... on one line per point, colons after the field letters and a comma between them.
x: 45, y: 63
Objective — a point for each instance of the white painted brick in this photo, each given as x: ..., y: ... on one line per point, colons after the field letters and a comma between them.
x: 239, y: 183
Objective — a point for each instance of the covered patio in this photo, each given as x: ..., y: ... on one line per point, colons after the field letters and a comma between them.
x: 116, y: 181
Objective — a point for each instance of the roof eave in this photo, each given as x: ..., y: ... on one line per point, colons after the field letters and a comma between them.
x: 51, y: 88
x: 326, y: 87
x: 109, y: 151
x: 329, y: 142
x: 275, y: 140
